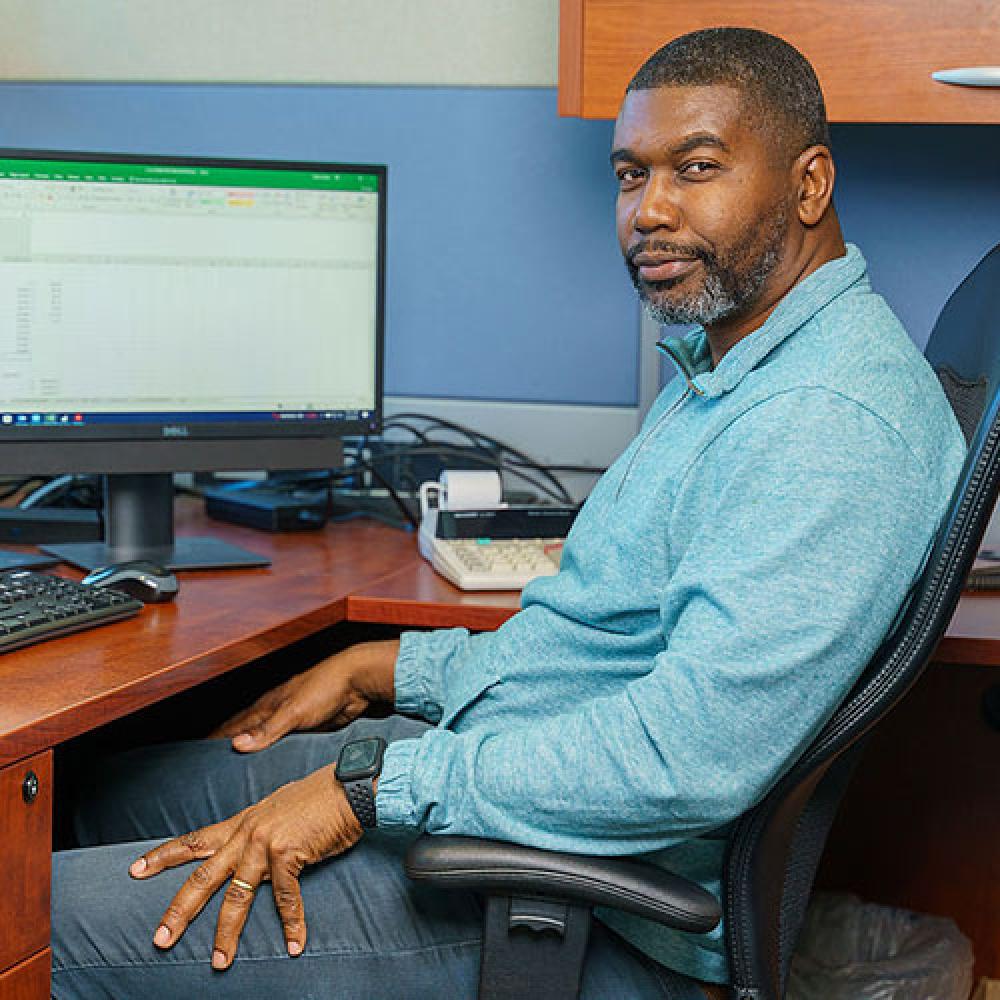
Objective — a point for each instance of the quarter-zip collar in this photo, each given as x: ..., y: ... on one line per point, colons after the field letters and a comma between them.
x: 693, y: 357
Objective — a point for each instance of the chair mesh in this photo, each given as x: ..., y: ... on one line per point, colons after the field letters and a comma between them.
x: 807, y: 849
x: 967, y: 398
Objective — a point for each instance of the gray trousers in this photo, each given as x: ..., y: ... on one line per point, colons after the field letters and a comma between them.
x: 372, y: 934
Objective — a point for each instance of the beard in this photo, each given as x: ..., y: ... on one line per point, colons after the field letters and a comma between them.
x: 734, y: 278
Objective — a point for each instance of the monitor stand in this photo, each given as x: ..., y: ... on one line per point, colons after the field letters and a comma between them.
x: 139, y: 524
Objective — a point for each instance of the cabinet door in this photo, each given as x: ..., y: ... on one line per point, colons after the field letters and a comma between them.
x: 27, y: 981
x: 874, y: 58
x: 26, y: 872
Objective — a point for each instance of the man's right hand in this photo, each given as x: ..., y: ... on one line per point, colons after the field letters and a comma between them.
x: 337, y: 690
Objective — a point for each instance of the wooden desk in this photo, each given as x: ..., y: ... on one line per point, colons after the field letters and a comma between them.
x: 353, y: 572
x: 221, y: 619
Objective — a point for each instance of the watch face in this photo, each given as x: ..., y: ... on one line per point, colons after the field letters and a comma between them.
x: 362, y: 759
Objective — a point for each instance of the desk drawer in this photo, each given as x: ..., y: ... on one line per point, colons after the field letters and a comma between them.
x: 26, y: 845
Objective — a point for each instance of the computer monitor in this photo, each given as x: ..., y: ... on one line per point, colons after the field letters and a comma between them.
x: 163, y: 314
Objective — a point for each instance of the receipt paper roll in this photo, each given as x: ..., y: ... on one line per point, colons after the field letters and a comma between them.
x: 471, y: 489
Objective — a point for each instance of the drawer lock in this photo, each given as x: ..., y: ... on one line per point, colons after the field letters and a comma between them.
x: 29, y: 787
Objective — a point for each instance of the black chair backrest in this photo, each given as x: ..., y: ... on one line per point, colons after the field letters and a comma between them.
x: 775, y: 848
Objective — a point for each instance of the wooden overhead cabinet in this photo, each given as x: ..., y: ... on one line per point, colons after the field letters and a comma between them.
x: 874, y: 58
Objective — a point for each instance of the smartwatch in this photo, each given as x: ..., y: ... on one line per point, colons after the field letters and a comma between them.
x: 359, y: 763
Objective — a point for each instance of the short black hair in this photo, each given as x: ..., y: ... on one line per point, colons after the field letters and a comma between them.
x: 776, y: 80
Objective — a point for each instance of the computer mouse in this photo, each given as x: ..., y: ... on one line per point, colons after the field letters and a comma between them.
x: 140, y: 578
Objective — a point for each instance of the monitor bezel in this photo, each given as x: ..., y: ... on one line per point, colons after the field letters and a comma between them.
x: 82, y: 448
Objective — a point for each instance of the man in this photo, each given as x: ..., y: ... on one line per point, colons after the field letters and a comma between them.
x: 721, y: 589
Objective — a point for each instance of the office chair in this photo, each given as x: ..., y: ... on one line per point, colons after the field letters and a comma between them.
x: 538, y: 903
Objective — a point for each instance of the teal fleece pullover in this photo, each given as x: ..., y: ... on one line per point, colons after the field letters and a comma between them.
x: 721, y: 589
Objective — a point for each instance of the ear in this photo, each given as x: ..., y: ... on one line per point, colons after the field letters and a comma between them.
x: 815, y: 173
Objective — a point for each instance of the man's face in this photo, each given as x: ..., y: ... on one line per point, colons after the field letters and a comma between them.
x: 703, y: 203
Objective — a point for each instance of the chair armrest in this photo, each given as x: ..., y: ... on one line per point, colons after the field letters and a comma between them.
x: 499, y: 868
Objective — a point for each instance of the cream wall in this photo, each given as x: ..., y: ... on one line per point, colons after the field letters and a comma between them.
x: 434, y: 42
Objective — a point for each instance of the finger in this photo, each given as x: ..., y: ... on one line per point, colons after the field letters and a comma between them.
x: 253, y: 713
x: 194, y: 846
x: 231, y: 726
x: 240, y: 722
x: 235, y: 909
x: 257, y: 737
x: 288, y: 900
x: 199, y: 887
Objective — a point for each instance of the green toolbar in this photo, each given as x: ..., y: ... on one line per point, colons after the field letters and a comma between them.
x: 73, y: 171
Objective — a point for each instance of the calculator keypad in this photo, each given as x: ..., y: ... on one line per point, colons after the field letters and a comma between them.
x: 500, y: 564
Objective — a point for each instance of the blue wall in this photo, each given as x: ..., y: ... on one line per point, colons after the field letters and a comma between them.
x: 504, y: 277
x: 923, y: 203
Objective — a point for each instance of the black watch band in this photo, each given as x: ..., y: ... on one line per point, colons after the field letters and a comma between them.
x: 361, y: 796
x: 360, y: 763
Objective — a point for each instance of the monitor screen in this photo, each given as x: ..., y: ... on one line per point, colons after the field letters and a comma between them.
x: 167, y: 314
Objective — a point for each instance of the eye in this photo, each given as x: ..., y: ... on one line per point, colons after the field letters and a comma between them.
x: 698, y: 169
x: 629, y: 177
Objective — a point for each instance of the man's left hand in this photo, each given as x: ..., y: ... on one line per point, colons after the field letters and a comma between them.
x: 299, y: 824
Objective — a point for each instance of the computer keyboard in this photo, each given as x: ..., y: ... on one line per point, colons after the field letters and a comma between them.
x: 36, y: 606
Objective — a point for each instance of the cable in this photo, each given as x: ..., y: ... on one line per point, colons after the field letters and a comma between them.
x: 583, y: 470
x: 22, y: 484
x: 399, y: 424
x: 555, y: 491
x: 397, y: 499
x: 487, y: 460
x: 478, y: 439
x: 484, y: 451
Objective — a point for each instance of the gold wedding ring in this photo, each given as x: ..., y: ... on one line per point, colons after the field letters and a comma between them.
x: 244, y: 885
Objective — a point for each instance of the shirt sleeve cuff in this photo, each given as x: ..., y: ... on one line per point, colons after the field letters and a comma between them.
x: 412, y: 687
x: 394, y: 806
x: 419, y: 667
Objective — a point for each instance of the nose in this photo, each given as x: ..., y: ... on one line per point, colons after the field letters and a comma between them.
x: 657, y: 208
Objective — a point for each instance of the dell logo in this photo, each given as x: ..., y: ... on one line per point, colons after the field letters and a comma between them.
x: 175, y: 431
